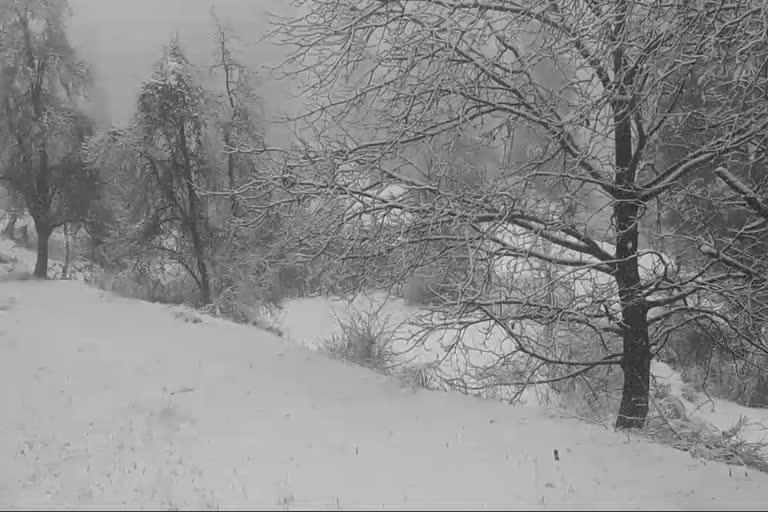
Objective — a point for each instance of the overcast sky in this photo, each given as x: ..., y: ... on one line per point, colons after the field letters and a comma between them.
x: 121, y: 39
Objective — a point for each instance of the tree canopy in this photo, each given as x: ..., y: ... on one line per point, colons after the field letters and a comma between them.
x: 582, y: 103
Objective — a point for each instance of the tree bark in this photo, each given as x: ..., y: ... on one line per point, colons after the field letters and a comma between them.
x: 231, y: 169
x: 67, y: 253
x: 636, y: 362
x: 193, y: 219
x: 205, y: 282
x: 43, y: 235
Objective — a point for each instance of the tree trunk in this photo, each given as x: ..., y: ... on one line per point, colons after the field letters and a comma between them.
x: 193, y: 221
x: 633, y: 410
x: 205, y: 281
x: 636, y: 361
x: 43, y: 235
x: 231, y: 171
x: 67, y: 251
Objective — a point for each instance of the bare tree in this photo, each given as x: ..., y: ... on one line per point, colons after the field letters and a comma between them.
x: 43, y: 85
x: 240, y: 114
x: 575, y: 98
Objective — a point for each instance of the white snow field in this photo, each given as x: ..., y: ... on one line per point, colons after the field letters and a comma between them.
x: 110, y: 403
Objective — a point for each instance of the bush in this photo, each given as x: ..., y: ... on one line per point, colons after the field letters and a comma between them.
x: 689, y: 393
x: 244, y: 306
x: 736, y: 379
x: 365, y: 339
x: 140, y: 285
x: 441, y: 283
x: 414, y: 377
x: 419, y: 291
x: 660, y: 390
x: 594, y: 395
x: 668, y: 423
x: 688, y: 347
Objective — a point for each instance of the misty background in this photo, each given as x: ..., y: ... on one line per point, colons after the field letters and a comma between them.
x: 122, y: 39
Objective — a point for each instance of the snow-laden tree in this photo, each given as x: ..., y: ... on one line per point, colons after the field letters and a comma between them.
x: 174, y: 172
x: 158, y: 164
x: 557, y: 242
x: 42, y: 89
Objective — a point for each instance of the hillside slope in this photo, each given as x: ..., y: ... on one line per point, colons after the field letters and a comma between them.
x: 115, y: 403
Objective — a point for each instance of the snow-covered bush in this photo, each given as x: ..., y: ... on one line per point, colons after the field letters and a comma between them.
x: 366, y: 338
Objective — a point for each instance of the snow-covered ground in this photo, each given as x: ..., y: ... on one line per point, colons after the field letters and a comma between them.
x: 308, y: 321
x: 118, y: 404
x: 720, y: 413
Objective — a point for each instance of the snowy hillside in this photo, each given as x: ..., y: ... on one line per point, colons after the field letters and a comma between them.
x: 121, y: 404
x: 308, y: 321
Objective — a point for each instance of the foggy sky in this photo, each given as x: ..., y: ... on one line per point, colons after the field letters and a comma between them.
x: 121, y: 39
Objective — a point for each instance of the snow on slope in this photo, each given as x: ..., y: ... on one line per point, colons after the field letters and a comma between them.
x: 117, y: 404
x: 722, y: 414
x: 308, y: 321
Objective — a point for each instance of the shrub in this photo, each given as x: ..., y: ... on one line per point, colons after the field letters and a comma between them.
x: 416, y: 377
x: 736, y: 379
x: 418, y: 291
x: 592, y: 395
x: 687, y: 347
x: 144, y: 286
x: 668, y: 423
x: 366, y: 338
x: 243, y: 305
x: 660, y: 390
x: 440, y: 284
x: 689, y: 393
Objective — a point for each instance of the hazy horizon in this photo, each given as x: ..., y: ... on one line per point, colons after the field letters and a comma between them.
x: 121, y: 40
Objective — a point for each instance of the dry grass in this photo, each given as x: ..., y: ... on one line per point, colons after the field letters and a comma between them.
x: 244, y: 306
x: 148, y: 288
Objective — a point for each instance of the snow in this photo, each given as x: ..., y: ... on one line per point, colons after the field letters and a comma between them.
x: 720, y: 413
x: 308, y: 321
x: 111, y: 403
